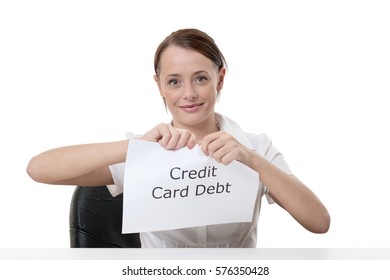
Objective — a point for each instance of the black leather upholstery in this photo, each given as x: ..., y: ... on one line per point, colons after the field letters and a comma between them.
x: 96, y: 220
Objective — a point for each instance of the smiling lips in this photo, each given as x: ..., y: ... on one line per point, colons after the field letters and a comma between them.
x: 191, y: 107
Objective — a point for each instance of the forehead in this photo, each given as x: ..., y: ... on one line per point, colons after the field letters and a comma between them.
x: 177, y: 59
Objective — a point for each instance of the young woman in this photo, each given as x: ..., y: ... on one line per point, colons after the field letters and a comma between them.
x: 190, y: 72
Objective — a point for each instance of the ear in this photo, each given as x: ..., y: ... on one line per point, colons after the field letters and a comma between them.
x: 221, y: 79
x: 157, y: 79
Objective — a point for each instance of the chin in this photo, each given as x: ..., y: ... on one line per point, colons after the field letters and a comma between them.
x: 193, y: 119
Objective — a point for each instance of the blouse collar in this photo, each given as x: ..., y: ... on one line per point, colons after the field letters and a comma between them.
x: 233, y: 129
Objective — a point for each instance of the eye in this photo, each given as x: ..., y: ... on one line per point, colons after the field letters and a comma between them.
x: 201, y: 79
x: 173, y: 82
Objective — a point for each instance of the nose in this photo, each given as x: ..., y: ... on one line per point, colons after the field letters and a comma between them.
x: 189, y: 92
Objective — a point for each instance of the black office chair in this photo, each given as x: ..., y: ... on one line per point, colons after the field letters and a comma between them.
x: 96, y: 220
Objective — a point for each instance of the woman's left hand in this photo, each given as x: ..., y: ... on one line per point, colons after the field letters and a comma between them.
x: 224, y: 148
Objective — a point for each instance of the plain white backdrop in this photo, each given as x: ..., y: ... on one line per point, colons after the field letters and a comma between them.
x: 313, y: 75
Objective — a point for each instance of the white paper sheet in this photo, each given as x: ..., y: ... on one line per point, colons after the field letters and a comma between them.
x: 165, y: 189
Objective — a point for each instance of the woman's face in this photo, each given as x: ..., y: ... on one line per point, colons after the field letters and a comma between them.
x: 189, y: 82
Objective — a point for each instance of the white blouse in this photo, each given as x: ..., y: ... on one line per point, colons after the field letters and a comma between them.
x: 235, y: 235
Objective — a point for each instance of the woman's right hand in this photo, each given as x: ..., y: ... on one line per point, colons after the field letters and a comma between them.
x: 171, y: 138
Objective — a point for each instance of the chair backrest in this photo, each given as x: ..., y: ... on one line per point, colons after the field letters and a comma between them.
x: 96, y: 220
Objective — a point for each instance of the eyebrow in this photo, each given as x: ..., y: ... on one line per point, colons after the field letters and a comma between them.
x: 195, y: 73
x: 200, y: 72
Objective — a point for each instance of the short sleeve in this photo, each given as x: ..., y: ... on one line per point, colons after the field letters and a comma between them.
x: 118, y: 174
x: 264, y: 147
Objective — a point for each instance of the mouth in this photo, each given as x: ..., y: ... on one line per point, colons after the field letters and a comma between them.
x: 191, y: 107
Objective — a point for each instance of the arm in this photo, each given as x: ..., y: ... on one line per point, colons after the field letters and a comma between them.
x: 292, y: 195
x: 87, y: 164
x: 285, y: 189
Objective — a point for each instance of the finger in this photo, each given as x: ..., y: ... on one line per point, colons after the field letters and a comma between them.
x: 217, y: 142
x: 192, y: 141
x: 154, y: 134
x: 228, y: 154
x: 219, y: 150
x: 165, y: 135
x: 174, y: 139
x: 185, y: 137
x: 206, y: 141
x: 225, y: 158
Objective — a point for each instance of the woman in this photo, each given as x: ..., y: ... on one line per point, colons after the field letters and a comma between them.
x: 190, y: 72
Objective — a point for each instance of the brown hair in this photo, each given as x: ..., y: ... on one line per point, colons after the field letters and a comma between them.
x: 193, y: 39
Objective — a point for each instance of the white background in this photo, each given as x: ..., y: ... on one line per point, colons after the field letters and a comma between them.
x: 313, y: 75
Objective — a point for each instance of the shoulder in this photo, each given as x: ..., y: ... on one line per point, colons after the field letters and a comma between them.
x: 261, y: 142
